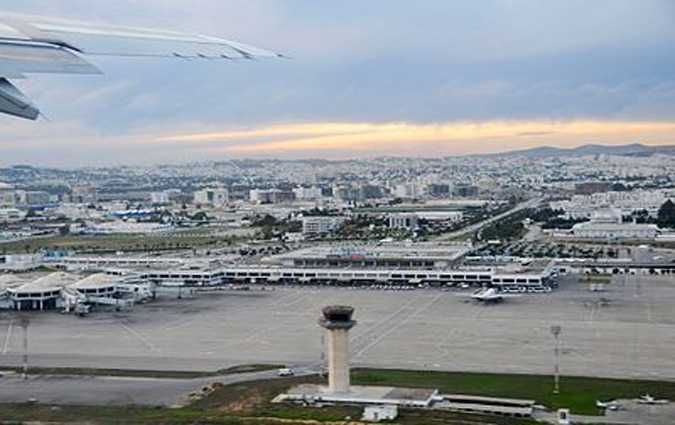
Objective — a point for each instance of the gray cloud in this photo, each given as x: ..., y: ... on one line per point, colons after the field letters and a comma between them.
x: 363, y: 61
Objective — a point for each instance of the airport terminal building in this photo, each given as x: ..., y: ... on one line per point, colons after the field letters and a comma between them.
x: 419, y: 255
x: 70, y: 292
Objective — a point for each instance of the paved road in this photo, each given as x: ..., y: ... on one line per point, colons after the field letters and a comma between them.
x: 632, y: 414
x: 474, y: 227
x: 118, y: 391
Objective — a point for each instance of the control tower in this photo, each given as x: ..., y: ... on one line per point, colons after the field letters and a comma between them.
x: 337, y: 320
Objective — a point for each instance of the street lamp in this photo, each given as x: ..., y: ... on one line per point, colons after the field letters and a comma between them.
x: 24, y: 322
x: 555, y: 331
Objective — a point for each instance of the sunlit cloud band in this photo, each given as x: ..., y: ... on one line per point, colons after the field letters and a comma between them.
x: 353, y: 139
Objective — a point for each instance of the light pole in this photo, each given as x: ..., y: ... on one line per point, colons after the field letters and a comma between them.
x: 555, y: 330
x: 24, y: 322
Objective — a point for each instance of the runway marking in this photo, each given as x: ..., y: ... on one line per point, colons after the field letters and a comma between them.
x: 178, y: 324
x: 5, y: 347
x: 283, y: 298
x: 591, y: 315
x: 140, y: 337
x: 381, y: 322
x: 397, y: 326
x: 297, y: 300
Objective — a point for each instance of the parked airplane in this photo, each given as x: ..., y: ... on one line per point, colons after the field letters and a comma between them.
x: 30, y: 44
x: 648, y: 399
x: 489, y: 296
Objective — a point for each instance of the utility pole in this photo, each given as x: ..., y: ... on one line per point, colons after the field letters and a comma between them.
x: 555, y: 330
x: 323, y: 356
x: 24, y: 322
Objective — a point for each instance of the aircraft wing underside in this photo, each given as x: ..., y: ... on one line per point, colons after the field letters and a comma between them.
x: 44, y: 45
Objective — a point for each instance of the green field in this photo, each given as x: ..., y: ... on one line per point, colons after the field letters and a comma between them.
x: 249, y: 403
x: 118, y: 242
x: 577, y: 393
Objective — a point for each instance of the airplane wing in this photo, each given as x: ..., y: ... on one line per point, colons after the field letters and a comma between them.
x: 46, y: 45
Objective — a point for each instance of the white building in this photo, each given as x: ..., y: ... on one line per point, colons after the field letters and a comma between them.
x: 307, y: 193
x: 403, y: 221
x: 128, y: 227
x: 69, y: 291
x: 591, y: 230
x: 7, y: 198
x: 10, y: 215
x: 626, y: 202
x: 216, y: 197
x: 20, y: 262
x: 160, y: 197
x: 380, y: 413
x: 271, y: 196
x: 607, y: 224
x: 321, y: 224
x: 453, y: 216
x: 408, y: 190
x: 83, y: 194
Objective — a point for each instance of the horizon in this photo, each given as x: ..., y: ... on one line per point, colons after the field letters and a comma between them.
x: 336, y: 160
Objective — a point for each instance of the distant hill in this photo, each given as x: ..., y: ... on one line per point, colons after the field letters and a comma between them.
x: 635, y: 149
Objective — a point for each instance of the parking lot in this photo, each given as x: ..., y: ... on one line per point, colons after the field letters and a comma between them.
x: 627, y: 331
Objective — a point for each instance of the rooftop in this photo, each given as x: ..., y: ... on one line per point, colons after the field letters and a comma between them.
x: 95, y: 281
x: 446, y: 252
x: 53, y: 281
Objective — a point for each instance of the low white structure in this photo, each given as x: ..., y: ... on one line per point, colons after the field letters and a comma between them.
x: 591, y: 230
x: 380, y: 413
x: 403, y: 221
x: 103, y: 263
x: 128, y: 227
x: 216, y: 197
x: 68, y: 291
x: 40, y: 294
x: 20, y: 262
x: 563, y: 417
x: 308, y: 193
x: 608, y: 224
x: 626, y: 202
x: 386, y: 255
x: 10, y: 215
x: 316, y: 225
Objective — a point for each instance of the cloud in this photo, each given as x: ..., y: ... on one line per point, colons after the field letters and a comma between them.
x: 356, y: 62
x: 363, y: 139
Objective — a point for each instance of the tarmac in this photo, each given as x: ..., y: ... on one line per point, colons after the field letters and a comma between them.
x: 626, y: 332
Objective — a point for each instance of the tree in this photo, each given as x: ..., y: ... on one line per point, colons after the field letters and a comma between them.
x: 267, y: 220
x: 666, y: 216
x: 64, y: 230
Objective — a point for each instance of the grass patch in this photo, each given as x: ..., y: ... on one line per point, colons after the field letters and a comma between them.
x: 598, y: 278
x: 139, y: 373
x: 250, y: 402
x: 577, y: 393
x: 249, y: 368
x: 117, y: 242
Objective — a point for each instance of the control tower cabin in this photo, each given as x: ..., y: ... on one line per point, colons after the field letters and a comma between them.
x: 337, y: 320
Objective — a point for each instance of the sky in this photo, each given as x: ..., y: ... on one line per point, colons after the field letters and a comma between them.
x: 365, y: 79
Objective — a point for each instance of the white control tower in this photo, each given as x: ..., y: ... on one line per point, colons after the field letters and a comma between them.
x: 337, y: 320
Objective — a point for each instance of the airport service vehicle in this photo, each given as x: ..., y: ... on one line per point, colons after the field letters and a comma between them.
x: 285, y: 372
x: 41, y: 45
x: 609, y: 405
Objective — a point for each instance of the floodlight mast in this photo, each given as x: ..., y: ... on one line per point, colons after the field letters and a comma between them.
x: 24, y: 322
x: 556, y: 330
